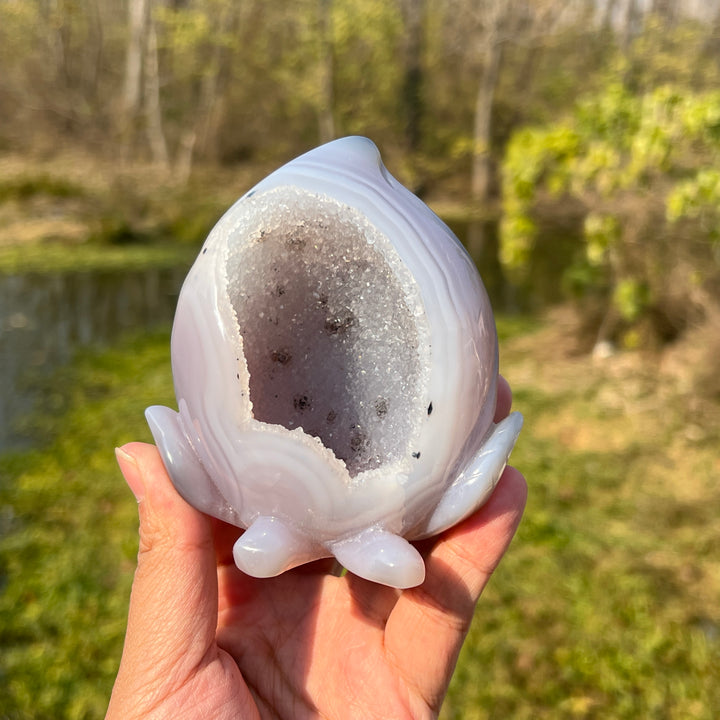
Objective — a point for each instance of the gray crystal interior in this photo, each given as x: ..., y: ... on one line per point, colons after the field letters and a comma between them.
x: 329, y: 340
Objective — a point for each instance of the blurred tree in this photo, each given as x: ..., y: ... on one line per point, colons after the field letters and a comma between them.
x: 200, y: 42
x: 644, y: 169
x: 138, y: 11
x: 413, y: 14
x: 141, y: 92
x: 132, y: 91
x: 326, y: 111
x: 496, y: 38
x: 439, y: 84
x: 52, y: 58
x: 630, y: 23
x: 151, y: 76
x: 369, y: 71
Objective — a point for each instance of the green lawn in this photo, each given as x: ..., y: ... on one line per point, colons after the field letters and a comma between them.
x: 56, y: 258
x: 608, y: 602
x: 606, y: 606
x: 69, y: 536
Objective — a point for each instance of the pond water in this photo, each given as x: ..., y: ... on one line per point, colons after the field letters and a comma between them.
x: 45, y: 318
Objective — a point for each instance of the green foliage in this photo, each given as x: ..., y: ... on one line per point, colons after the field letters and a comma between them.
x: 269, y: 63
x: 532, y: 157
x: 675, y: 52
x: 630, y: 297
x: 165, y: 213
x: 367, y: 37
x: 623, y: 157
x: 193, y: 40
x: 697, y: 198
x: 601, y: 234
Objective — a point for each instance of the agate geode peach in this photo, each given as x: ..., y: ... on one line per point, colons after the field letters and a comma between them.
x: 335, y: 363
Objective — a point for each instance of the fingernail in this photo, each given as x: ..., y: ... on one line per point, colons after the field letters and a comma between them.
x: 131, y: 473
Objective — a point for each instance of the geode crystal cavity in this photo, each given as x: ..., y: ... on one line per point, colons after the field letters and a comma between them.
x: 335, y: 363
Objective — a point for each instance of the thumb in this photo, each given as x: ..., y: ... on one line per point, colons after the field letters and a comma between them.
x: 173, y: 604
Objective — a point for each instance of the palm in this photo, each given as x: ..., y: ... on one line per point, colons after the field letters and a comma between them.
x: 306, y: 646
x: 308, y: 643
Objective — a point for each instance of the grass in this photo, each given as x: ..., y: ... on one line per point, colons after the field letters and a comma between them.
x: 68, y: 537
x: 605, y: 606
x: 60, y: 258
x: 73, y: 200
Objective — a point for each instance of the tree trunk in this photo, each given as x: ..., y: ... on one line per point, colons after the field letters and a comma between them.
x: 92, y: 75
x: 711, y: 44
x: 202, y: 135
x: 132, y: 89
x: 482, y: 133
x: 184, y: 156
x: 629, y: 27
x: 153, y: 109
x: 413, y: 12
x: 482, y: 168
x: 606, y: 22
x: 326, y: 119
x: 202, y: 125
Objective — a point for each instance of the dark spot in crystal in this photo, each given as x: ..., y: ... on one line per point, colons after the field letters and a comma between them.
x: 281, y: 356
x: 430, y: 409
x: 296, y: 243
x: 381, y: 407
x: 331, y: 417
x: 416, y: 455
x: 302, y: 403
x: 358, y: 442
x: 339, y: 324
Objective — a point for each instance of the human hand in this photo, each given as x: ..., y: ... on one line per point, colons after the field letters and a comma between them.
x: 205, y: 640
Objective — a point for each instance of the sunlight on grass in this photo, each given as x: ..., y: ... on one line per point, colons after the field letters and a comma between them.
x: 68, y: 537
x: 57, y: 258
x: 605, y: 606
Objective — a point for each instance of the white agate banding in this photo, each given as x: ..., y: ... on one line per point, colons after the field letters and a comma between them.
x: 335, y: 363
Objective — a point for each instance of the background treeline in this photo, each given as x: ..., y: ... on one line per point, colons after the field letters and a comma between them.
x: 590, y: 127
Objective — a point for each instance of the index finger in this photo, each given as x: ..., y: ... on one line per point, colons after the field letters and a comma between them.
x: 428, y: 624
x: 504, y: 399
